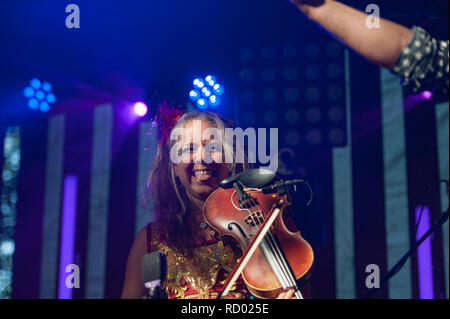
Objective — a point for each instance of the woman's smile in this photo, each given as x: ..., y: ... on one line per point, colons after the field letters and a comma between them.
x: 203, y: 174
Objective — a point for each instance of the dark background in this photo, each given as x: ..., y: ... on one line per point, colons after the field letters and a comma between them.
x: 152, y: 50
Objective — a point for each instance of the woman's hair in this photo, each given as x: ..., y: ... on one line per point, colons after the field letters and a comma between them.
x: 166, y: 194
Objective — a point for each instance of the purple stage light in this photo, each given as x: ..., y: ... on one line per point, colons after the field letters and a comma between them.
x: 140, y: 108
x: 424, y: 255
x: 427, y: 95
x: 68, y: 229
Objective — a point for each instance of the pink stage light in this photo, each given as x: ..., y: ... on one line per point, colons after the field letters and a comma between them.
x: 427, y: 95
x: 140, y: 109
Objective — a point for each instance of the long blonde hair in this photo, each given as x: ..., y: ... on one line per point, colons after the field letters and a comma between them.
x: 168, y: 198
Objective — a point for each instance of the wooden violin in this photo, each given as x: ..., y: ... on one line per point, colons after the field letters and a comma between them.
x: 274, y: 257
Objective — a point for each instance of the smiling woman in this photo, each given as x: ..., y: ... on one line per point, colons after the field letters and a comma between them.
x: 197, y: 261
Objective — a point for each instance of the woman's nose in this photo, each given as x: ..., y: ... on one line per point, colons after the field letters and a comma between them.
x: 202, y: 155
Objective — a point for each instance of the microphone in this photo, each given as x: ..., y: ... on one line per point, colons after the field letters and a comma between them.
x: 154, y: 271
x: 279, y: 185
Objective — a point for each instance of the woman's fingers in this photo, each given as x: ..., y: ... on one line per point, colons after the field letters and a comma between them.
x: 289, y: 294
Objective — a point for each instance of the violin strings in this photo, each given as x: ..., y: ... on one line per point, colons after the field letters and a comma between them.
x: 264, y: 247
x: 285, y: 275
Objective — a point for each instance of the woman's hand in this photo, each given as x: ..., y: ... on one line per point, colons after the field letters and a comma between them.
x: 288, y: 294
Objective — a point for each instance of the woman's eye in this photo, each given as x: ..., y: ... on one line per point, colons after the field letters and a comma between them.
x: 215, y: 148
x: 188, y: 149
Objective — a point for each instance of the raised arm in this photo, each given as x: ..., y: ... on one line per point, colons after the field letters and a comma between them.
x: 381, y: 46
x: 133, y: 287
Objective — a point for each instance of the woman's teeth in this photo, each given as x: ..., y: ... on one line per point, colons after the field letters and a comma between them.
x: 203, y: 173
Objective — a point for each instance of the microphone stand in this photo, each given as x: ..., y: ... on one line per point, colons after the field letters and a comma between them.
x: 438, y: 222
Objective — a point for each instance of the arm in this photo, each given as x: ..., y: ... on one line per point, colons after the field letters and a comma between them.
x: 381, y: 46
x: 133, y: 287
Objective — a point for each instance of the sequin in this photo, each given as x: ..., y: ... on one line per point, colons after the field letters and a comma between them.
x: 199, y: 273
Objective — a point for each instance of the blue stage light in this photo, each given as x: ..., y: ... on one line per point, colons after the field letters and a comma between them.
x: 28, y: 92
x: 206, y: 92
x: 51, y: 98
x: 44, y: 106
x: 47, y: 87
x: 33, y: 103
x: 35, y: 83
x: 194, y: 95
x: 198, y: 83
x: 211, y: 80
x: 214, y: 100
x: 39, y: 95
x: 202, y: 103
x: 218, y: 89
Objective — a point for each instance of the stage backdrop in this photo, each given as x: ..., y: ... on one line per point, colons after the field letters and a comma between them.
x: 84, y: 172
x: 72, y: 180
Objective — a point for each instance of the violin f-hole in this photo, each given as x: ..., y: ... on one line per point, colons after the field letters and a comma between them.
x: 235, y: 225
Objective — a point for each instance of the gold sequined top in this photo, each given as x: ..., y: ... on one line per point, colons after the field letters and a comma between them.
x: 200, y: 279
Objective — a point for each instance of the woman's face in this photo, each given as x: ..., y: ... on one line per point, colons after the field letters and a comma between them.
x: 202, y: 167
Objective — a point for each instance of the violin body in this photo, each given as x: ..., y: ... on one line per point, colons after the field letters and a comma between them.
x: 223, y: 213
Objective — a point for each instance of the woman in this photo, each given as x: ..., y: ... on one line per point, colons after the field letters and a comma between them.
x: 185, y: 172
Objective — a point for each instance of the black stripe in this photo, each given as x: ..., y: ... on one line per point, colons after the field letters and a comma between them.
x: 122, y: 200
x: 368, y: 186
x: 30, y: 209
x: 423, y: 176
x: 77, y: 161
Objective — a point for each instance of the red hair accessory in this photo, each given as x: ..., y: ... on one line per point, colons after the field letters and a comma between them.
x: 165, y: 119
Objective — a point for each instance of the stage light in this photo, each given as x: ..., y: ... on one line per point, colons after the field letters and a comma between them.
x: 140, y: 109
x: 427, y: 95
x: 28, y: 92
x: 211, y: 80
x: 51, y: 98
x: 39, y: 95
x: 290, y: 52
x: 33, y: 104
x: 206, y: 92
x: 292, y: 138
x: 8, y: 206
x: 198, y: 83
x: 47, y: 87
x: 44, y: 107
x: 314, y: 136
x: 269, y: 74
x: 202, y: 103
x: 7, y: 248
x: 291, y: 94
x: 218, y: 89
x: 214, y: 100
x: 194, y: 95
x: 35, y: 84
x: 292, y: 116
x: 269, y: 95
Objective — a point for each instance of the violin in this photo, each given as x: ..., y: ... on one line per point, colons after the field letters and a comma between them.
x: 246, y: 212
